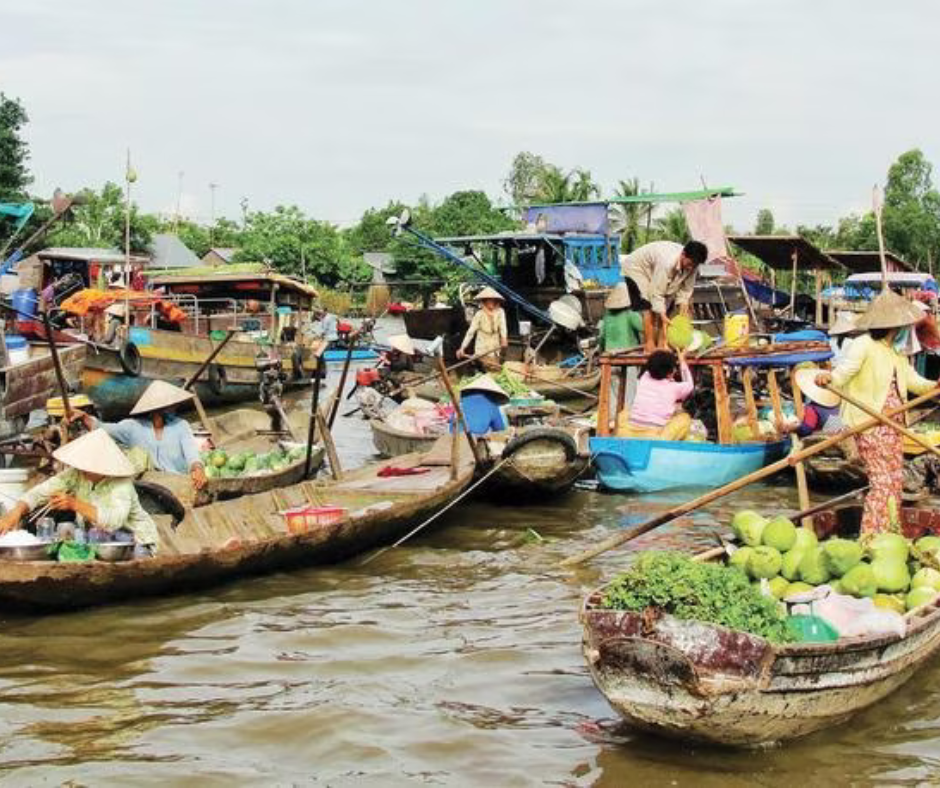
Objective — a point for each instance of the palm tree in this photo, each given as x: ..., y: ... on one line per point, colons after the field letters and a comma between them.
x: 583, y: 189
x: 558, y: 187
x: 630, y: 214
x: 672, y: 227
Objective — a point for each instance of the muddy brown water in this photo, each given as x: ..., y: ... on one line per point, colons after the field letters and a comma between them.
x: 453, y: 660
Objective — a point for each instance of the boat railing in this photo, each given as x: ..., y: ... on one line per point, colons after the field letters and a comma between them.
x: 197, y: 308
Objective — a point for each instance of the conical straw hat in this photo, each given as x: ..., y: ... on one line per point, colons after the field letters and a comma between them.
x: 889, y: 310
x: 845, y: 323
x: 806, y: 382
x: 486, y: 384
x: 488, y: 292
x: 95, y: 452
x: 160, y: 395
x: 402, y: 343
x: 619, y: 297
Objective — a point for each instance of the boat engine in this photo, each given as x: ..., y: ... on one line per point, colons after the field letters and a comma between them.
x: 273, y: 378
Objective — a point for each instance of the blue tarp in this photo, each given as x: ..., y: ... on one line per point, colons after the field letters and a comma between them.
x: 781, y: 360
x: 806, y: 335
x: 765, y: 294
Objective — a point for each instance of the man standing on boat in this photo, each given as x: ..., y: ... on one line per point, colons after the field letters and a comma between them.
x: 154, y: 431
x: 660, y: 277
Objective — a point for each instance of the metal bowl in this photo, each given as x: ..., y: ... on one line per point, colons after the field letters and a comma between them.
x: 114, y: 551
x: 26, y: 552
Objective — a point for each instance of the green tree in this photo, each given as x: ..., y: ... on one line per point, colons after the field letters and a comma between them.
x: 99, y: 222
x: 912, y: 210
x: 525, y: 177
x: 630, y: 214
x: 765, y: 222
x: 672, y: 226
x: 558, y: 186
x: 14, y: 152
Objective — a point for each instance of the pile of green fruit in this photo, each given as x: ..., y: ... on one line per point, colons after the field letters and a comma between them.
x: 221, y: 465
x: 891, y: 570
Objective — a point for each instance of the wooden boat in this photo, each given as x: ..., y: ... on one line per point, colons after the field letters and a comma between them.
x: 243, y: 430
x: 642, y: 466
x: 26, y: 385
x: 650, y: 465
x: 543, y: 461
x: 249, y: 536
x: 566, y: 388
x: 831, y: 471
x: 390, y: 442
x: 699, y: 682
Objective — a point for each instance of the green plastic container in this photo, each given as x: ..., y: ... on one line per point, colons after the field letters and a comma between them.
x: 811, y: 629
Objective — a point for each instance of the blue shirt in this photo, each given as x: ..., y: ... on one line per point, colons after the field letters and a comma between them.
x: 174, y: 452
x: 482, y: 413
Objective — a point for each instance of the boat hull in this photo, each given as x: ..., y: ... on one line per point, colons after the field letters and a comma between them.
x: 390, y: 442
x: 542, y: 461
x: 699, y: 682
x: 636, y: 465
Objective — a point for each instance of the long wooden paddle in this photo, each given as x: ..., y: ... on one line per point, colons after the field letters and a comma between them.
x: 886, y: 421
x: 737, y: 484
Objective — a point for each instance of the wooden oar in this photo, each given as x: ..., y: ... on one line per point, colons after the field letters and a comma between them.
x: 737, y: 484
x: 886, y: 421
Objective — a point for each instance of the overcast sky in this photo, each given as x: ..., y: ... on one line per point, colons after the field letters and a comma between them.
x: 339, y: 106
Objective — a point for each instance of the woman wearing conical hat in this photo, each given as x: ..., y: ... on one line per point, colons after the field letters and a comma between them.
x: 875, y: 372
x: 487, y: 330
x: 97, y: 486
x: 155, y: 429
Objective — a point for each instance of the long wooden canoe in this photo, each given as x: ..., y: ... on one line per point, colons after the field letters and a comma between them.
x: 390, y: 442
x: 249, y: 536
x: 700, y: 682
x: 564, y: 389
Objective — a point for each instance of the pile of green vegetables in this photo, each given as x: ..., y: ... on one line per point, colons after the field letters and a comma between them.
x: 221, y: 465
x: 508, y: 381
x: 891, y: 570
x: 708, y: 592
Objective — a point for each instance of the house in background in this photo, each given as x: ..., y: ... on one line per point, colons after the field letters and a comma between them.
x: 220, y: 255
x: 168, y: 251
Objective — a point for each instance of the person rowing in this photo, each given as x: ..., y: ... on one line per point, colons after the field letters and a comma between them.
x: 97, y: 487
x: 155, y: 434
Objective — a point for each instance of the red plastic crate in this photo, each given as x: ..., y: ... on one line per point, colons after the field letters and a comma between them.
x: 301, y: 519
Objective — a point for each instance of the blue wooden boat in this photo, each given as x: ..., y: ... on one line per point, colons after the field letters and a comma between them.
x: 359, y: 354
x: 637, y: 465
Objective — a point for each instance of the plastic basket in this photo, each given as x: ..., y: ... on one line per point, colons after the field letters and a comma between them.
x: 301, y: 519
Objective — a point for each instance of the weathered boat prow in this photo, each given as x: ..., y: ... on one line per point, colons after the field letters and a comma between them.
x: 701, y: 682
x: 541, y: 461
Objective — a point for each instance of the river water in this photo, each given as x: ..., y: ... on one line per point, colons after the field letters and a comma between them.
x: 453, y: 660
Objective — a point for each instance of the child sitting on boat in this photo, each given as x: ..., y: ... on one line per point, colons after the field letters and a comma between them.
x: 655, y: 413
x: 97, y: 487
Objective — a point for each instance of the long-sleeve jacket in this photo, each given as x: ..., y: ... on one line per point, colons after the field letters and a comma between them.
x: 115, y: 501
x: 655, y: 269
x: 865, y: 373
x: 489, y: 329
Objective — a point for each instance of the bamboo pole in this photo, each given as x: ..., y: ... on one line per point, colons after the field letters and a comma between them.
x: 713, y: 495
x: 886, y: 421
x: 312, y: 426
x: 455, y: 400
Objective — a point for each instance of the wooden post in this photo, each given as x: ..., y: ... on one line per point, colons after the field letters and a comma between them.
x: 722, y: 404
x: 312, y: 427
x: 327, y: 437
x: 57, y: 366
x: 774, y: 388
x: 342, y: 381
x: 622, y: 391
x: 603, y: 400
x: 819, y: 319
x: 802, y: 490
x: 455, y: 449
x: 797, y: 394
x: 455, y: 400
x: 794, y: 256
x: 747, y: 376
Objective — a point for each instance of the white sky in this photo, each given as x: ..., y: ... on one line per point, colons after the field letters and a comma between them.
x: 342, y: 105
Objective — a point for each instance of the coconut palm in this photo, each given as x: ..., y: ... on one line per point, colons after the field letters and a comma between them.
x: 630, y: 215
x: 672, y: 227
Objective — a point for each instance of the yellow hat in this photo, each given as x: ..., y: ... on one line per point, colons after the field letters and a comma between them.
x: 95, y: 452
x: 160, y: 395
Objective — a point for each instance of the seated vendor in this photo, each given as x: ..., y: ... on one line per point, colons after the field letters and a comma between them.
x: 96, y: 486
x: 480, y: 402
x: 654, y: 412
x: 820, y: 411
x: 165, y: 439
x: 400, y: 356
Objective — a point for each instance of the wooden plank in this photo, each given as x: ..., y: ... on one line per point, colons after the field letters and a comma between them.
x: 722, y: 405
x: 774, y: 388
x: 747, y: 376
x: 603, y: 401
x: 622, y: 391
x: 336, y: 470
x: 797, y: 394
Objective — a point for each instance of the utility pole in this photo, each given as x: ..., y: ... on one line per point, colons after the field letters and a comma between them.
x: 244, y: 205
x: 212, y: 188
x: 179, y: 201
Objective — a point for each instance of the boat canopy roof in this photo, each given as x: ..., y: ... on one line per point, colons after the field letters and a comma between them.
x: 776, y: 251
x: 87, y: 254
x: 503, y: 238
x: 237, y: 285
x: 868, y: 261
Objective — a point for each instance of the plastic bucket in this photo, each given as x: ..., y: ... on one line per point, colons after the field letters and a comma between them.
x: 12, y: 486
x: 736, y: 330
x: 17, y: 348
x: 26, y: 303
